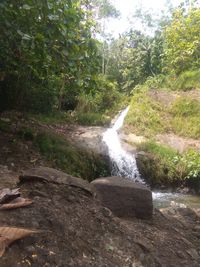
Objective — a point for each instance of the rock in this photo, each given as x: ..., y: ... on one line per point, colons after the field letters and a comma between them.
x: 193, y: 253
x: 45, y: 174
x: 124, y: 197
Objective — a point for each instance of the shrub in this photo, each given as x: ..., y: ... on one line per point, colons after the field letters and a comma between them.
x: 164, y: 165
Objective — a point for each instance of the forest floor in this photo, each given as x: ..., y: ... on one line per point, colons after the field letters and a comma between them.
x: 78, y: 231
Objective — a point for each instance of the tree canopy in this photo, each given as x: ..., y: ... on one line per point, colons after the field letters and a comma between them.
x: 51, y: 58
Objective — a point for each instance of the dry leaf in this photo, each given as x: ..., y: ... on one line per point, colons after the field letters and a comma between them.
x: 16, y: 203
x: 9, y: 234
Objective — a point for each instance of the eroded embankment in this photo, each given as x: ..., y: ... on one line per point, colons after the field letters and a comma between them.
x: 164, y: 127
x: 75, y: 150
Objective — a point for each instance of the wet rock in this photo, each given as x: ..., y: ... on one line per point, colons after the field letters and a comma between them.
x: 124, y: 197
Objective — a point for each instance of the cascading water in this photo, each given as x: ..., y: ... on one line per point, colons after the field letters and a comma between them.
x: 123, y: 163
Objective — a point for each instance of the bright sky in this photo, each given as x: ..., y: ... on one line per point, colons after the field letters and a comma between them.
x: 127, y: 8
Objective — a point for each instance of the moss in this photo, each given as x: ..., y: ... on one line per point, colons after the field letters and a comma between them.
x: 72, y: 160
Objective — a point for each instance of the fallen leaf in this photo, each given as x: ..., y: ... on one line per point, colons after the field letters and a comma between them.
x: 16, y: 203
x: 9, y: 234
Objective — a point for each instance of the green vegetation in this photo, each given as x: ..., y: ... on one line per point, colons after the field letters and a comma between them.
x: 148, y: 116
x: 52, y: 64
x: 49, y: 56
x: 164, y: 166
x: 75, y: 161
x: 182, y: 41
x: 145, y: 115
x: 186, y: 117
x: 52, y: 118
x: 184, y: 82
x: 26, y: 133
x: 188, y: 80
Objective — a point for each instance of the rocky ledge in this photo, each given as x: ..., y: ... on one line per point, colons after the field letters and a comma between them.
x: 72, y: 228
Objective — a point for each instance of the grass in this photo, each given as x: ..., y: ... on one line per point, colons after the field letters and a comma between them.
x: 148, y: 117
x: 186, y: 117
x: 163, y: 165
x: 72, y: 160
x: 188, y: 80
x: 145, y: 116
x: 91, y: 118
x: 52, y: 118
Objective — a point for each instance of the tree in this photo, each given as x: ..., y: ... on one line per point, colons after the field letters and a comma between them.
x: 135, y: 56
x: 182, y: 41
x: 104, y: 11
x: 47, y: 54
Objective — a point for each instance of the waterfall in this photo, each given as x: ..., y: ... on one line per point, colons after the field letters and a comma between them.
x: 123, y: 163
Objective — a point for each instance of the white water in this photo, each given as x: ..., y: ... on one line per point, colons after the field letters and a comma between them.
x: 123, y: 163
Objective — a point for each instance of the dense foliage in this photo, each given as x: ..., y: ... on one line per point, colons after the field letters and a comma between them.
x: 182, y: 39
x: 48, y: 56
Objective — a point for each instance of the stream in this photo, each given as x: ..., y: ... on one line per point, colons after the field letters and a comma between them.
x: 124, y: 165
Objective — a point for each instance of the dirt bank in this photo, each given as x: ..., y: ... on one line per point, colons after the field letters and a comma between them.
x: 77, y: 231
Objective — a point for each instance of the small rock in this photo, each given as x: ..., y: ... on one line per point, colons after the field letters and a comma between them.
x: 30, y: 249
x: 193, y: 253
x: 180, y: 254
x: 197, y: 228
x: 71, y: 198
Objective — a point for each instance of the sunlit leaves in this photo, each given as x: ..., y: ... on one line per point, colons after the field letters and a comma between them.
x: 182, y: 51
x: 45, y: 51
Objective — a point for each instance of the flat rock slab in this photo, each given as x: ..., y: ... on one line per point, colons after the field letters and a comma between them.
x: 45, y: 174
x: 124, y: 197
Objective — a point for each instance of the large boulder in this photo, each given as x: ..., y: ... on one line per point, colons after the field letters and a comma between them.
x: 124, y: 197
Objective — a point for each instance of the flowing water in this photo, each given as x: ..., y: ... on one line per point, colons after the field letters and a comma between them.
x: 124, y: 164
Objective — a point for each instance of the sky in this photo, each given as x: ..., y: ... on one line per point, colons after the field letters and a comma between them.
x: 127, y: 8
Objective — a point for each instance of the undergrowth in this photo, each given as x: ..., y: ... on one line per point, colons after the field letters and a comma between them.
x: 145, y: 115
x: 165, y: 166
x: 184, y: 82
x: 52, y: 118
x: 185, y: 120
x: 149, y: 117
